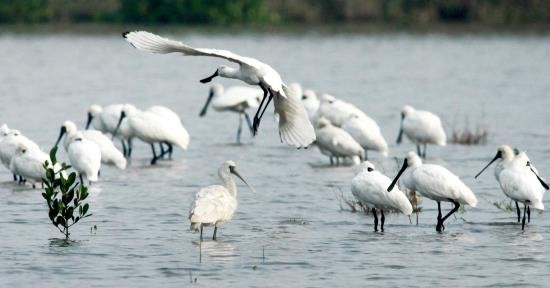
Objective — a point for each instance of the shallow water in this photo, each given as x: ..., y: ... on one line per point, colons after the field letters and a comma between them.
x: 292, y: 232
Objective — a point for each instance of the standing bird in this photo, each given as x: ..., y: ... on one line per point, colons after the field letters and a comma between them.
x: 367, y: 133
x: 294, y: 126
x: 436, y: 183
x: 85, y: 157
x: 337, y: 111
x: 236, y: 99
x: 109, y: 153
x: 336, y: 142
x: 152, y: 127
x: 29, y: 163
x: 311, y: 103
x: 422, y: 128
x: 10, y: 141
x: 105, y: 119
x: 216, y: 204
x: 518, y: 180
x: 369, y: 188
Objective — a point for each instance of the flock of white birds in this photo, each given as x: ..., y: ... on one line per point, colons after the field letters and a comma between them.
x: 339, y: 129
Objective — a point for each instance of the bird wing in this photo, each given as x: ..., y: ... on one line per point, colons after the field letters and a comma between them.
x: 294, y: 126
x: 209, y: 204
x: 146, y: 41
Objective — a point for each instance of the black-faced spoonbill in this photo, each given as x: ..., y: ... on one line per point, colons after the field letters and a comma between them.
x: 370, y: 188
x: 216, y: 204
x: 85, y: 157
x: 336, y: 142
x: 8, y: 146
x: 337, y: 111
x: 434, y: 182
x: 236, y: 99
x: 152, y: 127
x: 29, y: 163
x: 294, y: 126
x: 311, y: 103
x: 109, y: 153
x: 367, y: 133
x: 422, y: 128
x: 105, y: 119
x: 518, y: 180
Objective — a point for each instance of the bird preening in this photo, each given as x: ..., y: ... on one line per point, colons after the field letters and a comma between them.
x: 294, y: 125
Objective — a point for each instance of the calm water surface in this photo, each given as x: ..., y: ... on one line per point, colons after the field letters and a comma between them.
x: 292, y: 232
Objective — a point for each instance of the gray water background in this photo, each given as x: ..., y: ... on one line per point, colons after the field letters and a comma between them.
x: 292, y: 232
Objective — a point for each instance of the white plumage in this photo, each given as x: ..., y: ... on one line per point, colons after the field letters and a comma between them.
x: 9, y: 143
x: 434, y: 182
x: 109, y: 153
x: 250, y: 71
x: 29, y: 163
x: 236, y: 99
x: 311, y: 103
x: 518, y: 179
x: 367, y: 133
x: 105, y: 119
x: 336, y: 142
x: 85, y: 158
x: 422, y: 128
x: 370, y: 188
x: 216, y: 204
x: 337, y: 111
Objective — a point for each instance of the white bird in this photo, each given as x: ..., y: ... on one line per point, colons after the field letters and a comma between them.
x: 336, y: 142
x: 367, y: 133
x: 422, y: 128
x: 152, y: 127
x: 8, y: 146
x: 311, y: 103
x: 85, y: 157
x: 294, y: 126
x: 216, y: 204
x: 434, y: 182
x: 370, y: 188
x: 337, y: 111
x: 518, y: 180
x: 29, y: 163
x: 105, y: 119
x: 109, y: 153
x: 169, y: 116
x: 236, y: 99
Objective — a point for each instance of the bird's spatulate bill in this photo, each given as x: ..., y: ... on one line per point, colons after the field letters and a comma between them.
x: 234, y: 172
x: 405, y: 165
x: 208, y: 79
x: 61, y: 133
x: 494, y: 159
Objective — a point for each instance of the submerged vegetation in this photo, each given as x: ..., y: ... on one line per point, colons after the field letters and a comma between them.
x: 221, y: 12
x: 469, y: 136
x: 65, y: 198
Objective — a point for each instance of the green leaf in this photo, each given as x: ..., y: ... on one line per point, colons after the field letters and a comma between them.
x: 60, y: 221
x: 52, y: 214
x: 52, y: 155
x: 71, y: 179
x: 85, y: 209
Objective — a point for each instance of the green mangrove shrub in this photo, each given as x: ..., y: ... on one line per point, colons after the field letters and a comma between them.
x: 65, y: 196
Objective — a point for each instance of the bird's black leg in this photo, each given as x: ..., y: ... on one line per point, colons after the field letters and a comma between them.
x: 162, y: 152
x: 209, y: 78
x: 425, y: 147
x: 81, y: 180
x: 239, y: 130
x: 14, y: 177
x: 215, y: 230
x: 375, y: 220
x: 337, y: 161
x: 418, y: 150
x: 154, y: 160
x: 528, y: 215
x: 130, y: 146
x: 523, y: 220
x: 266, y: 105
x: 365, y: 158
x: 457, y: 205
x: 382, y: 219
x: 21, y: 180
x: 331, y: 160
x: 256, y: 121
x: 249, y: 123
x: 439, y: 223
x: 170, y: 149
x: 33, y: 186
x: 124, y: 151
x: 201, y: 233
x: 519, y: 211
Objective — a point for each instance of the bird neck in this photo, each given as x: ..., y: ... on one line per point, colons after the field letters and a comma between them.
x: 229, y: 184
x: 229, y: 72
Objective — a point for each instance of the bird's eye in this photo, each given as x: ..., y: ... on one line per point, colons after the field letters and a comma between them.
x: 24, y: 150
x: 304, y: 97
x: 370, y: 169
x: 330, y: 102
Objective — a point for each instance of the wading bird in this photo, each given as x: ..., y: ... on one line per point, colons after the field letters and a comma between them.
x: 109, y: 153
x: 105, y: 119
x: 367, y: 133
x: 236, y: 99
x: 337, y: 111
x: 294, y: 126
x: 518, y: 180
x: 29, y: 163
x: 422, y: 128
x: 369, y: 188
x: 85, y: 157
x: 311, y: 103
x: 216, y: 204
x: 336, y: 142
x: 8, y: 145
x: 436, y: 183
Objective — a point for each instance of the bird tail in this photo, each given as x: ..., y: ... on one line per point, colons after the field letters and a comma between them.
x: 537, y: 205
x: 294, y: 126
x: 468, y: 197
x: 120, y: 161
